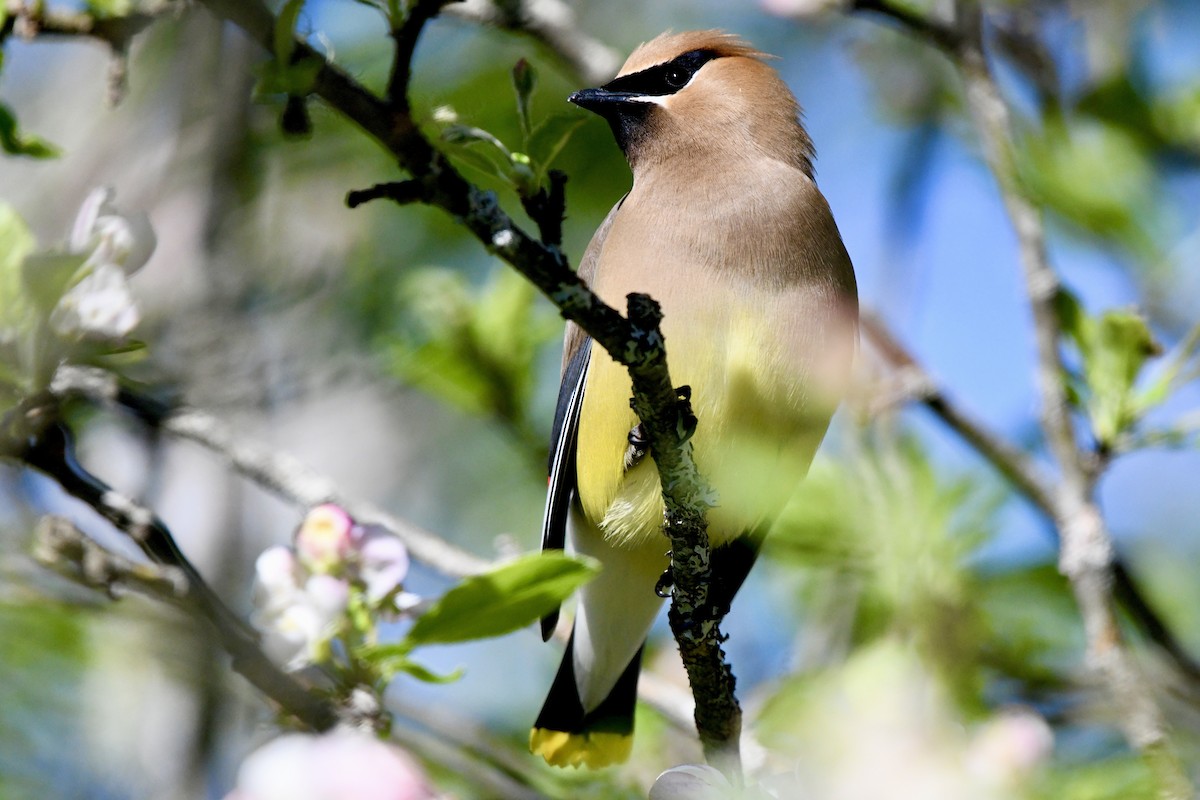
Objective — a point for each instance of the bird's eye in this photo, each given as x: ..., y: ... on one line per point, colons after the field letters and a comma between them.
x: 676, y: 78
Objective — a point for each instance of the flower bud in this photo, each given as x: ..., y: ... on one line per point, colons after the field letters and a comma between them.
x: 325, y: 537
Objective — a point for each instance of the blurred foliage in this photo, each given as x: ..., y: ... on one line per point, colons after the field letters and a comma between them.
x: 14, y: 141
x: 1095, y: 150
x: 885, y: 519
x: 475, y: 349
x: 44, y: 655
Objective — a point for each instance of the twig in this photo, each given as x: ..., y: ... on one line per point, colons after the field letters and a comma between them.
x: 1086, y: 552
x: 278, y: 472
x: 300, y: 485
x: 34, y: 19
x: 553, y: 23
x: 405, y: 33
x: 1021, y: 471
x: 399, y: 192
x: 936, y: 32
x: 59, y: 544
x: 1025, y: 475
x: 51, y: 451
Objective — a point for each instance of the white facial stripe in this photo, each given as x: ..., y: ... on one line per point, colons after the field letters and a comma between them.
x: 650, y: 98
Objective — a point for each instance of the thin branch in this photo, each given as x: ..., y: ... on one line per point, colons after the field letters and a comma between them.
x: 277, y: 472
x: 942, y: 34
x: 58, y: 544
x: 294, y: 481
x: 400, y: 192
x: 51, y: 451
x: 553, y: 23
x: 303, y: 487
x: 405, y: 33
x: 34, y: 19
x: 1026, y: 476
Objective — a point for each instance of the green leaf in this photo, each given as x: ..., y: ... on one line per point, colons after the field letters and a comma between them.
x: 106, y: 9
x: 47, y: 276
x: 475, y: 349
x: 391, y: 659
x: 427, y: 675
x: 1071, y: 316
x: 1172, y: 374
x: 480, y: 150
x: 16, y: 143
x: 1113, y: 350
x: 549, y: 139
x: 476, y: 159
x: 503, y: 600
x: 15, y: 244
x: 284, y: 39
x: 297, y: 79
x: 1117, y: 197
x: 467, y: 134
x: 1123, y: 343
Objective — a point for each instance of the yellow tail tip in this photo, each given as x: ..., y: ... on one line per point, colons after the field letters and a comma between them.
x: 591, y: 750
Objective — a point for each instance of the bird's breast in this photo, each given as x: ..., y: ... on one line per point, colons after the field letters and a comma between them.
x: 740, y: 347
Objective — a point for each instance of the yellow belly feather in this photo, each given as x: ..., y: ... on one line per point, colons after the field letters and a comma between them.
x: 753, y: 444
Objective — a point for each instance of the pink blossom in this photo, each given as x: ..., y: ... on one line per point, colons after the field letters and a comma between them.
x: 325, y: 537
x: 340, y: 765
x: 384, y: 563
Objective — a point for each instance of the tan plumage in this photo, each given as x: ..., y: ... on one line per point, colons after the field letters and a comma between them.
x: 725, y: 227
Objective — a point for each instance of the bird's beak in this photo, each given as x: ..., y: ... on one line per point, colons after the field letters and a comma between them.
x: 599, y: 100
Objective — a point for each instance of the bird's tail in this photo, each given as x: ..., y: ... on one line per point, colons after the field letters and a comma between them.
x: 568, y: 736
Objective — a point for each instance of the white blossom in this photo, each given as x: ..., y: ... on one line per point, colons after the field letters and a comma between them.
x: 384, y: 563
x: 100, y: 306
x: 113, y: 246
x: 691, y: 782
x: 122, y: 240
x: 296, y: 619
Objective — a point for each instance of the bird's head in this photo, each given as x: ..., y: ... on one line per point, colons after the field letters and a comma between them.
x: 700, y: 95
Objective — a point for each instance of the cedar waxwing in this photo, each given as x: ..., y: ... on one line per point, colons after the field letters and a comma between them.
x: 725, y: 227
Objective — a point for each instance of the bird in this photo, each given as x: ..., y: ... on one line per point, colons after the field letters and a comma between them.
x: 725, y: 227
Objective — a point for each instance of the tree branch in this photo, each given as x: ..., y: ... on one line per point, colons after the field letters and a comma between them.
x: 553, y: 23
x: 28, y: 20
x: 50, y: 450
x: 941, y: 34
x: 405, y: 33
x: 58, y: 544
x: 1086, y: 553
x: 1024, y: 474
x: 277, y: 472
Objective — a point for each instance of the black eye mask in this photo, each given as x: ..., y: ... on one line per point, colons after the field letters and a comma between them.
x: 663, y: 79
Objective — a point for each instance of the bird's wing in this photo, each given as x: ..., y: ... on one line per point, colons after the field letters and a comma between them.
x: 577, y: 348
x: 575, y: 337
x: 562, y: 460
